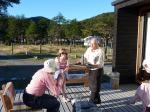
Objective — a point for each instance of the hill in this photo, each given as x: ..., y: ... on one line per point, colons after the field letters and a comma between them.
x: 38, y: 18
x: 102, y: 18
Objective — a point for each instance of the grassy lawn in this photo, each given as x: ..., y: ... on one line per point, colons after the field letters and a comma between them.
x: 20, y: 51
x: 47, y: 51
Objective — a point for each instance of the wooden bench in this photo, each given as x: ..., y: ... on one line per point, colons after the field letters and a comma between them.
x: 83, y: 79
x: 11, y: 103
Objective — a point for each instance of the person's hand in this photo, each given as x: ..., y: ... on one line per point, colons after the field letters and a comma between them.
x: 66, y: 69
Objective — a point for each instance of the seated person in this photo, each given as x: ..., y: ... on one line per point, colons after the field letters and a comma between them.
x: 61, y: 74
x: 143, y: 91
x: 34, y: 94
x: 142, y: 94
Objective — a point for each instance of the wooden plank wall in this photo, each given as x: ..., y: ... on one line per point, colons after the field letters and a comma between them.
x: 125, y: 43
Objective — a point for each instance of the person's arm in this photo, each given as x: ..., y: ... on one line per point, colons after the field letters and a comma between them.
x: 50, y: 84
x: 139, y: 94
x: 67, y: 66
x: 136, y: 98
x: 57, y: 63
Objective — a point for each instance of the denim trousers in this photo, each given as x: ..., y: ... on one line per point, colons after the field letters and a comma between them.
x: 95, y: 84
x: 45, y: 101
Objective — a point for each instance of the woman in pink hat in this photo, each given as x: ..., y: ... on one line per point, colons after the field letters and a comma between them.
x: 34, y: 94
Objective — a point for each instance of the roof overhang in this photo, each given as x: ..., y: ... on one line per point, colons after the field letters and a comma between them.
x: 125, y: 3
x: 117, y: 2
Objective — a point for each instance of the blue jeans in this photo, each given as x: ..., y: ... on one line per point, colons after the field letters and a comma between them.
x: 45, y: 101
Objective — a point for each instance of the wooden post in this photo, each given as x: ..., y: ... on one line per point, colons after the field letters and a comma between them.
x: 40, y: 48
x: 70, y: 48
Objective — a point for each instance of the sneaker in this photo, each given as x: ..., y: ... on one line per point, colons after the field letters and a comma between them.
x: 73, y: 101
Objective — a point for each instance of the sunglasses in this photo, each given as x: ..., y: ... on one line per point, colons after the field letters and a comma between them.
x: 51, y: 73
x: 64, y: 53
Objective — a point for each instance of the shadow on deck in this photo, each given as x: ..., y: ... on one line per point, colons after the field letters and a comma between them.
x: 112, y: 100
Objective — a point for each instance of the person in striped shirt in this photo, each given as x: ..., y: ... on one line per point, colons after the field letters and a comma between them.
x: 61, y: 73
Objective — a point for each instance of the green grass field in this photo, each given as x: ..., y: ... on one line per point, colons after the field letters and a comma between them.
x: 33, y: 51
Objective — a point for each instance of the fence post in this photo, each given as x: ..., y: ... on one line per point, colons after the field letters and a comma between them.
x: 40, y: 48
x: 12, y: 48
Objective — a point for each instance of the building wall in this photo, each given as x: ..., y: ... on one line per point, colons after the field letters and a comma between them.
x: 125, y: 43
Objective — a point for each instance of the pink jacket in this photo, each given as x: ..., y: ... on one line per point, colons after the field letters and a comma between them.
x: 143, y: 94
x: 40, y: 82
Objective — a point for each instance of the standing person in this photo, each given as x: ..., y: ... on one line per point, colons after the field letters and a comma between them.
x: 94, y: 56
x: 34, y: 94
x: 62, y: 65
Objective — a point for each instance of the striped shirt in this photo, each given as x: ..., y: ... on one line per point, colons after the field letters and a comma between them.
x: 61, y: 64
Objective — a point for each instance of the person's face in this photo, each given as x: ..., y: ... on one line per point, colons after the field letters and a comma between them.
x: 94, y: 45
x: 64, y: 55
x: 146, y: 66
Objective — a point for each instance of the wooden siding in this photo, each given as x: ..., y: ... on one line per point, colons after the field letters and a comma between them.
x: 125, y: 41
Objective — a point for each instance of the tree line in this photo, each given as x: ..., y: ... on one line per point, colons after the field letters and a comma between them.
x: 40, y: 29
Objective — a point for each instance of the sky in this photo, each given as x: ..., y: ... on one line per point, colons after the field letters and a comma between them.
x: 70, y: 9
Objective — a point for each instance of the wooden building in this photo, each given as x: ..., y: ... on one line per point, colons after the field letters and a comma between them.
x: 131, y: 42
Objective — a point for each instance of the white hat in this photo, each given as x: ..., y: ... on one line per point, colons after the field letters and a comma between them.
x: 146, y: 61
x: 49, y: 65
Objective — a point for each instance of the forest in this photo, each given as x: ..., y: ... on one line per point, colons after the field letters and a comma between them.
x: 41, y: 30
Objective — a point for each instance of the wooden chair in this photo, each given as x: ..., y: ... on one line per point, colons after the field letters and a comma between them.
x: 7, y: 95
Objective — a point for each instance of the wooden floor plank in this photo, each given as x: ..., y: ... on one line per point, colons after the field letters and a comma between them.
x: 1, y: 106
x: 112, y: 100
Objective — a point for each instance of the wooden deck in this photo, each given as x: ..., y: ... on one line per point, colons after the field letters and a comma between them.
x: 112, y: 100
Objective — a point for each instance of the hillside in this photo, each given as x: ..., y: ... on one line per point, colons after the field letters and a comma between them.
x: 102, y: 18
x: 38, y: 18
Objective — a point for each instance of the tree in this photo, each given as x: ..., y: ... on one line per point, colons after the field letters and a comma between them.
x: 59, y: 19
x: 57, y: 29
x: 32, y: 33
x: 101, y: 25
x: 21, y: 25
x: 5, y: 3
x: 75, y: 29
x: 12, y: 30
x: 3, y: 28
x: 105, y: 28
x: 42, y: 29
